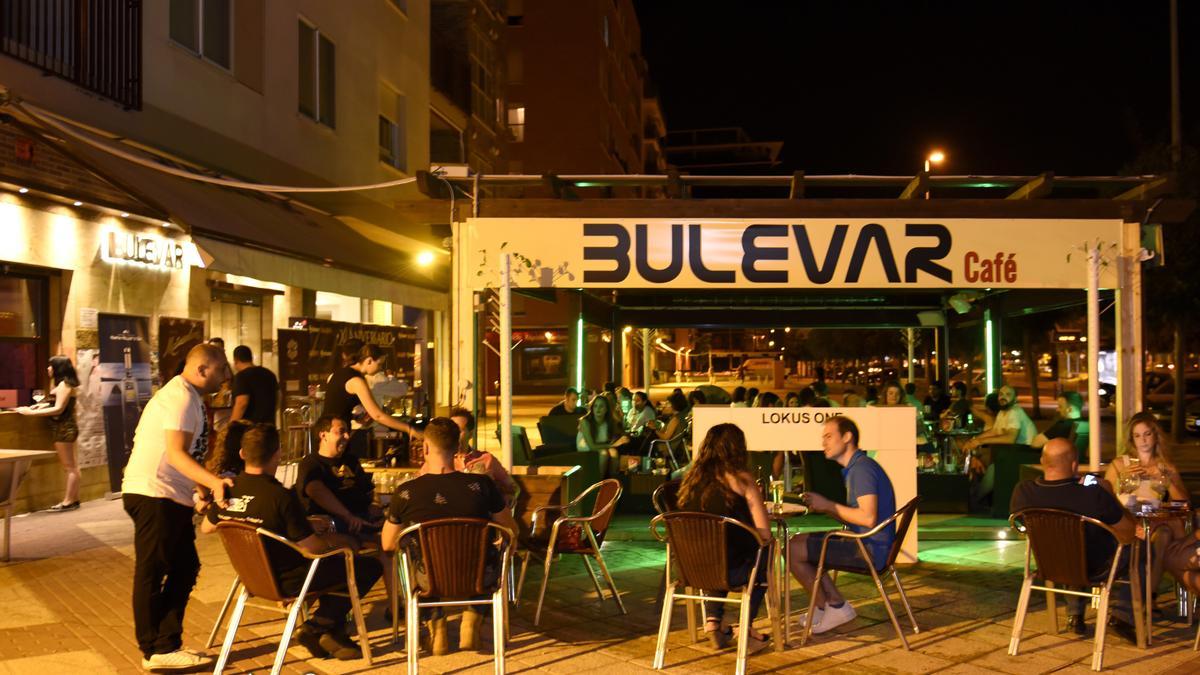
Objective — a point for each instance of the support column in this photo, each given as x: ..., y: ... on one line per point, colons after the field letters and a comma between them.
x: 647, y: 361
x: 1129, y: 329
x: 1093, y: 354
x: 909, y: 336
x: 505, y: 346
x: 462, y: 325
x: 941, y: 336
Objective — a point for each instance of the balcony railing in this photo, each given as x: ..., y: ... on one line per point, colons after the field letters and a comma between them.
x: 95, y: 44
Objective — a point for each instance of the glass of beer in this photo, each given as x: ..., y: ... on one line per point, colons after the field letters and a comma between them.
x: 777, y: 491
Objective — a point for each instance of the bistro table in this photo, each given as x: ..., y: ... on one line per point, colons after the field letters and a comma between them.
x: 1154, y: 519
x: 14, y: 464
x: 779, y: 513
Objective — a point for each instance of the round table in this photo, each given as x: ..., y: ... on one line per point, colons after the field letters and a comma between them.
x: 1152, y: 520
x: 945, y: 444
x: 779, y: 513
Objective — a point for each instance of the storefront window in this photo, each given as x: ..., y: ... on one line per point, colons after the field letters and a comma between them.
x: 23, y: 342
x: 237, y: 318
x: 336, y: 307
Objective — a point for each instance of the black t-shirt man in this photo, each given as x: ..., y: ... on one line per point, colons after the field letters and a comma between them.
x: 345, y: 478
x: 1060, y: 429
x: 262, y: 387
x: 561, y: 409
x: 261, y: 501
x: 1069, y: 494
x: 445, y: 495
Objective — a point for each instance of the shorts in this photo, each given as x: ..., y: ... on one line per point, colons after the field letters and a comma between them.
x: 64, y: 431
x: 843, y: 553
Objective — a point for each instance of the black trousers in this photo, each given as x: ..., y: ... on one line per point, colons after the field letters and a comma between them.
x: 331, y: 610
x: 164, y: 572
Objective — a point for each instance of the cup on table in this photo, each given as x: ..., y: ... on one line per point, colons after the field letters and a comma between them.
x: 777, y: 491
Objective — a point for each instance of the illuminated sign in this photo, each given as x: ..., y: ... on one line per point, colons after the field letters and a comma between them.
x: 147, y: 250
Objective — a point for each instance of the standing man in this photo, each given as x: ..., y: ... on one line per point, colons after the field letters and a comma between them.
x: 160, y: 479
x: 870, y: 500
x: 255, y: 389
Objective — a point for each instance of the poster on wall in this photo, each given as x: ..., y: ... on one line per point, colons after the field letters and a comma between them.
x: 293, y: 364
x: 124, y: 370
x: 175, y: 338
x: 396, y: 342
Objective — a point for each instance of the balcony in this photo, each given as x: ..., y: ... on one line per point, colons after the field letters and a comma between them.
x: 94, y: 44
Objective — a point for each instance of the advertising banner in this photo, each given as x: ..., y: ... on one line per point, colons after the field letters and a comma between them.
x: 324, y: 336
x: 293, y: 363
x: 176, y: 337
x: 814, y: 253
x: 887, y: 434
x: 124, y: 370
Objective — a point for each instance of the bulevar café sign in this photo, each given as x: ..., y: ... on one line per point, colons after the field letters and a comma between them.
x: 146, y: 250
x: 823, y: 253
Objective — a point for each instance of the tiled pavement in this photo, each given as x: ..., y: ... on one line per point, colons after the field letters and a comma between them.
x: 64, y: 608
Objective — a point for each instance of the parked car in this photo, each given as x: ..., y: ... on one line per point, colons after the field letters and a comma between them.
x: 1160, y: 399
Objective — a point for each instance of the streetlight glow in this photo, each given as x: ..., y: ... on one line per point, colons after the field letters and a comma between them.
x: 425, y: 258
x: 937, y: 157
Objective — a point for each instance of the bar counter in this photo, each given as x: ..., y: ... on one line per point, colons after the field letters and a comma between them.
x: 44, y: 485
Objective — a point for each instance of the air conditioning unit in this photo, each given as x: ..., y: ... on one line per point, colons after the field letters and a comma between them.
x: 451, y: 170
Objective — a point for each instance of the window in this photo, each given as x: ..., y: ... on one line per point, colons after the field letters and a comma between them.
x: 23, y: 335
x: 516, y: 122
x: 445, y: 141
x: 204, y: 27
x: 317, y: 79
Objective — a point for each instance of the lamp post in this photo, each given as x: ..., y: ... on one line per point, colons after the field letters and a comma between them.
x: 934, y: 157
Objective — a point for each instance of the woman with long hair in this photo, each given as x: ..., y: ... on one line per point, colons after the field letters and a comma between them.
x: 600, y: 432
x: 60, y: 412
x: 719, y: 483
x: 347, y: 389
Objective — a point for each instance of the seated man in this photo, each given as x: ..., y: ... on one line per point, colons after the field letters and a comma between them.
x: 1070, y: 409
x: 470, y: 460
x: 1012, y: 424
x: 870, y: 500
x: 331, y: 482
x: 569, y: 405
x: 257, y: 499
x: 443, y: 492
x: 1061, y: 488
x: 1183, y: 561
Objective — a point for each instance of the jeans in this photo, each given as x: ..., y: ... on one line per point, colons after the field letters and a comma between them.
x: 1120, y: 602
x: 330, y: 614
x: 739, y: 575
x: 164, y: 571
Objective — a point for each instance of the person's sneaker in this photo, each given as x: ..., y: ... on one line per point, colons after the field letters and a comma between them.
x: 180, y: 659
x: 833, y: 617
x: 803, y: 620
x: 438, y: 637
x: 339, y: 646
x: 311, y: 640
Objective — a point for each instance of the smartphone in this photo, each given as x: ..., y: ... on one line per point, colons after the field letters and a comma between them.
x: 1088, y: 480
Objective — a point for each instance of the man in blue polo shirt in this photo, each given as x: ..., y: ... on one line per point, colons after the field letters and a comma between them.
x: 870, y: 500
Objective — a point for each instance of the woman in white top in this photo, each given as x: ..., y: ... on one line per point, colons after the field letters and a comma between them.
x: 599, y: 432
x: 60, y: 412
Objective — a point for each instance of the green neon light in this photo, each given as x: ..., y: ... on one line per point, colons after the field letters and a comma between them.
x: 579, y: 354
x: 988, y: 354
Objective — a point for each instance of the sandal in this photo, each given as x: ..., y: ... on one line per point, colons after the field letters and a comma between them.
x: 717, y: 637
x: 60, y: 507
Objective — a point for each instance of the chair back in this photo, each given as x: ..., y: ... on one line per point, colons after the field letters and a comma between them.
x: 903, y: 517
x: 453, y: 554
x: 1058, y: 540
x: 248, y: 554
x: 608, y: 491
x: 697, y: 542
x: 666, y: 496
x: 558, y: 431
x: 521, y: 449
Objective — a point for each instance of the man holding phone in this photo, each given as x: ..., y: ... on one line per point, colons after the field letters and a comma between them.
x: 1061, y: 488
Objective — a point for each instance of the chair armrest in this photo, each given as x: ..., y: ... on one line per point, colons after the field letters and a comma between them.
x: 337, y: 550
x: 849, y: 534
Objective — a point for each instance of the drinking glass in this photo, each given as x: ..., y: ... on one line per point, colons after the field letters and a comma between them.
x: 777, y: 491
x: 38, y: 395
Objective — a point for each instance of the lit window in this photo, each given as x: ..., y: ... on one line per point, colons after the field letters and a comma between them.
x: 516, y: 123
x: 393, y: 150
x: 204, y: 27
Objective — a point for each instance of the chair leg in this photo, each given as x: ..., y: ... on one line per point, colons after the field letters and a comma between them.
x: 412, y: 634
x: 360, y: 623
x: 611, y: 585
x: 1101, y: 626
x: 498, y: 629
x: 664, y: 627
x: 744, y: 620
x: 394, y: 603
x: 595, y: 580
x: 1014, y: 643
x: 233, y: 591
x: 525, y: 556
x: 689, y: 606
x: 1196, y: 644
x: 284, y: 639
x: 904, y: 599
x: 887, y: 604
x: 231, y: 632
x: 1052, y: 609
x: 773, y: 610
x: 537, y: 616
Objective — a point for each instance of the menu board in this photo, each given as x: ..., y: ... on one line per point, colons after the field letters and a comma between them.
x: 324, y: 336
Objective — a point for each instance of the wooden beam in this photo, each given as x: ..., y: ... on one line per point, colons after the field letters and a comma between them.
x: 917, y: 187
x: 675, y: 186
x: 796, y: 191
x: 1152, y: 189
x: 1035, y: 189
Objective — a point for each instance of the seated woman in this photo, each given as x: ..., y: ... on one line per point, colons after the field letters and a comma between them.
x: 677, y: 416
x: 719, y: 483
x: 599, y: 432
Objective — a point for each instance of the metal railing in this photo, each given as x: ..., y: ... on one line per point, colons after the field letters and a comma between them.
x: 95, y: 44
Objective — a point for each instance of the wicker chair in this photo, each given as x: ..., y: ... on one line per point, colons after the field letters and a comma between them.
x: 453, y: 554
x: 903, y: 519
x: 1056, y: 540
x: 246, y: 548
x: 591, y: 530
x: 666, y: 499
x: 696, y: 542
x: 667, y: 447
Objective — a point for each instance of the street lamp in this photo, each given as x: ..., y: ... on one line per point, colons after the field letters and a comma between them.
x: 934, y: 157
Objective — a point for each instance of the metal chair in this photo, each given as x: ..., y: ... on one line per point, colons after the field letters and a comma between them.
x: 665, y: 499
x: 591, y: 530
x: 903, y: 519
x: 666, y: 447
x: 1056, y: 539
x: 247, y: 551
x: 453, y: 555
x: 696, y: 542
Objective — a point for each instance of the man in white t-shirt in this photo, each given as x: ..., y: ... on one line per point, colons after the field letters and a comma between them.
x: 1012, y: 424
x: 164, y: 469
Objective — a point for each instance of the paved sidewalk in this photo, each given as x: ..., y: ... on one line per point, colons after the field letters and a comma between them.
x: 64, y: 608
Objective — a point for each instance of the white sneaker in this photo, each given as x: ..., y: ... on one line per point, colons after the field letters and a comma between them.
x: 803, y: 620
x: 833, y: 617
x: 180, y: 659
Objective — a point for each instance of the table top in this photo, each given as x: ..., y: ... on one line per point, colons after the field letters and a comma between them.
x: 958, y: 432
x: 13, y: 454
x: 785, y: 510
x: 1164, y: 512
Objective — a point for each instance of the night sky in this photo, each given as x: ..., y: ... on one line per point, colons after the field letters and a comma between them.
x: 869, y: 87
